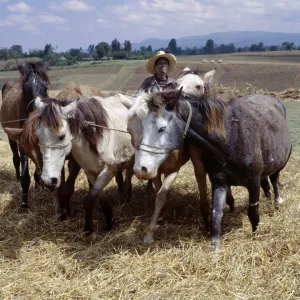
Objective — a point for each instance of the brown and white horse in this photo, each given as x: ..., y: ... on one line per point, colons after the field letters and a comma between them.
x: 82, y: 128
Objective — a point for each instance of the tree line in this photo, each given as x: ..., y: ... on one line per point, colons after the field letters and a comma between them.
x: 118, y: 50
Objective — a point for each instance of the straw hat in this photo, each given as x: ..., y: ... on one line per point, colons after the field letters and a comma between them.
x: 150, y: 66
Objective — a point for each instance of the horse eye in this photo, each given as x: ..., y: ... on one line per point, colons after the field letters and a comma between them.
x: 198, y: 87
x: 61, y: 137
x: 161, y: 129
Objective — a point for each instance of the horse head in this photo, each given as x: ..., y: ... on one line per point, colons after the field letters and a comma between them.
x: 194, y: 82
x: 55, y: 137
x: 34, y: 81
x: 151, y: 121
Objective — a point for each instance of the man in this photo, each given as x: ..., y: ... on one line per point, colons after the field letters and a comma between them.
x: 159, y: 65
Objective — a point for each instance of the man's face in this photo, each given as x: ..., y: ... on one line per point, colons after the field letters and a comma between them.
x: 162, y: 65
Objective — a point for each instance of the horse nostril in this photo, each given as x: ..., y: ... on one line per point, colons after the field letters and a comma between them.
x: 144, y: 170
x: 53, y: 181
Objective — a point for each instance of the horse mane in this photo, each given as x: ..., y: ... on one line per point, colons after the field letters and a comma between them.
x: 29, y: 129
x: 39, y: 67
x: 211, y: 107
x: 86, y: 111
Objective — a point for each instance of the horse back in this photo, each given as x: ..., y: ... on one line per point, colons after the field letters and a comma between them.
x: 258, y: 134
x: 12, y: 107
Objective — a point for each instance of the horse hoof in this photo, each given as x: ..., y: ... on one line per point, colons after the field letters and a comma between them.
x: 89, y: 239
x: 279, y: 200
x: 215, y: 245
x: 148, y: 239
x: 24, y: 206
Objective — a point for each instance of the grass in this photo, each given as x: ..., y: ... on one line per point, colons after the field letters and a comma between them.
x: 43, y: 258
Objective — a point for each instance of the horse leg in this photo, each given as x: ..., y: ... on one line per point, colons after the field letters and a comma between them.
x: 128, y: 185
x: 102, y: 180
x: 157, y: 182
x: 160, y: 201
x: 16, y: 158
x: 200, y: 175
x: 119, y: 180
x: 25, y: 179
x: 219, y: 192
x: 37, y: 179
x: 149, y: 186
x: 59, y: 194
x: 68, y: 189
x: 230, y: 199
x: 275, y: 183
x: 253, y: 213
x: 264, y: 183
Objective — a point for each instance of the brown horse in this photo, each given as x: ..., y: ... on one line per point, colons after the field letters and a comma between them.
x: 17, y: 103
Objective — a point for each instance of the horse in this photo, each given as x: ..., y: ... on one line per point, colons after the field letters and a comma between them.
x: 243, y: 143
x: 94, y: 131
x: 192, y: 83
x: 28, y: 142
x: 17, y: 103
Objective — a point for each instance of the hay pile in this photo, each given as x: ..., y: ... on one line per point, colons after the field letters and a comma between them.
x: 42, y: 258
x: 289, y: 94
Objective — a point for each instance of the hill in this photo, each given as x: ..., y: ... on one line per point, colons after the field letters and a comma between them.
x: 239, y: 38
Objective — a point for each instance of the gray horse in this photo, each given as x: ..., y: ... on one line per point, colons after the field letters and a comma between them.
x: 243, y: 142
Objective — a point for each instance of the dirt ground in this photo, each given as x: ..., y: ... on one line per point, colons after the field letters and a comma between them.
x: 264, y: 74
x: 43, y: 258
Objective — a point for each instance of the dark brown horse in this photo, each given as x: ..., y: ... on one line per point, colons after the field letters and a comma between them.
x: 17, y: 104
x: 243, y: 143
x: 28, y: 142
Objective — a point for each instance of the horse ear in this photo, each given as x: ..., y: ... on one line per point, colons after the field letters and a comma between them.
x: 126, y: 100
x: 39, y: 104
x: 70, y: 109
x: 43, y: 65
x: 172, y: 98
x: 13, y: 133
x: 22, y: 67
x: 208, y: 76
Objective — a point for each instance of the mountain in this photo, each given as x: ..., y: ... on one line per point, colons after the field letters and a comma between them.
x: 238, y: 38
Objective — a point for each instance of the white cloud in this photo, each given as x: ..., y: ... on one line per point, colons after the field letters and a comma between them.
x: 20, y: 7
x: 3, y: 1
x: 71, y: 5
x: 52, y: 19
x: 5, y: 23
x: 30, y: 28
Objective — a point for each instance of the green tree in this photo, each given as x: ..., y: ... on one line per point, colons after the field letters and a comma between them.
x: 74, y: 52
x: 209, y: 47
x: 115, y: 45
x: 127, y: 47
x: 173, y: 46
x: 16, y: 51
x: 287, y: 46
x: 91, y: 49
x: 48, y: 50
x: 149, y: 48
x: 102, y: 49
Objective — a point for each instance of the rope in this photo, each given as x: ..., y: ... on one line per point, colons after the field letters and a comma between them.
x: 93, y: 124
x: 13, y: 121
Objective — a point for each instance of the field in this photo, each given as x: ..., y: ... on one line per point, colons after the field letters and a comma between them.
x: 43, y: 258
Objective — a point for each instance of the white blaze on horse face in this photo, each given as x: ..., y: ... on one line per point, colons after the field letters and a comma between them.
x: 191, y: 84
x: 152, y: 152
x: 55, y: 146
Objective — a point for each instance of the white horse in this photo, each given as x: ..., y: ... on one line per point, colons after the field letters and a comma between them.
x: 81, y: 127
x: 171, y: 160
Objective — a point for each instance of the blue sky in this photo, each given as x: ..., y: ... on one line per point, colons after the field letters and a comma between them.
x: 79, y: 23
